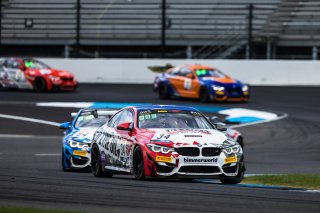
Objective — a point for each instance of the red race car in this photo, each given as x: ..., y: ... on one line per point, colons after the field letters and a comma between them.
x: 165, y: 141
x: 29, y: 73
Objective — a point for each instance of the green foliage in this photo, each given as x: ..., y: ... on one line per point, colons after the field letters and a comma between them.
x: 160, y: 69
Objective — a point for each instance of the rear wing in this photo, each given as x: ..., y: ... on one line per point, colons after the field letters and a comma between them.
x: 96, y: 112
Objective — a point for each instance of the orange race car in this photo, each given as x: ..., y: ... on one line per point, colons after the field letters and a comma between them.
x: 200, y: 82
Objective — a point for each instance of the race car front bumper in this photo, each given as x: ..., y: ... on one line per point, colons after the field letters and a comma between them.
x: 229, y: 95
x: 197, y: 166
x: 78, y: 158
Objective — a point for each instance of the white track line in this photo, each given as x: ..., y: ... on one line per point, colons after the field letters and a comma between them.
x: 65, y: 104
x: 259, y: 122
x: 47, y: 154
x: 28, y: 136
x: 312, y: 190
x: 29, y: 119
x: 15, y: 136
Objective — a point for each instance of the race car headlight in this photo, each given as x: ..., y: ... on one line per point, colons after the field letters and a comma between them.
x: 245, y: 88
x: 217, y: 88
x: 54, y: 78
x: 157, y: 148
x: 75, y: 144
x: 232, y: 149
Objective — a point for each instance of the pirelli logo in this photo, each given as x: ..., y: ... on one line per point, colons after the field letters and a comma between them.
x: 164, y: 159
x: 200, y: 160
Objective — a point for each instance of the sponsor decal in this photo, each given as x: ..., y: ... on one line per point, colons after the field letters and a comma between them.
x: 189, y: 160
x: 164, y: 159
x: 195, y: 113
x: 86, y: 117
x: 193, y: 136
x: 220, y: 92
x: 80, y: 153
x: 190, y: 131
x: 147, y: 117
x: 160, y: 141
x: 103, y: 156
x: 232, y: 159
x: 145, y: 112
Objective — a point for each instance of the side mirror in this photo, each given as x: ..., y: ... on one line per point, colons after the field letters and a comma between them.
x: 190, y: 75
x: 23, y: 68
x: 65, y: 125
x: 221, y: 126
x: 125, y: 126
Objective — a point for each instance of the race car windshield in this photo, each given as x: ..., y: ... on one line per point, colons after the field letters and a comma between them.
x: 172, y: 119
x: 210, y: 73
x: 35, y: 64
x: 91, y: 121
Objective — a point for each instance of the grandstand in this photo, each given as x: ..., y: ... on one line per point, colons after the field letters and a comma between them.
x: 134, y: 28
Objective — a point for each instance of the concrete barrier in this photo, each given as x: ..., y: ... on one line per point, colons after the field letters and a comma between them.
x: 253, y: 72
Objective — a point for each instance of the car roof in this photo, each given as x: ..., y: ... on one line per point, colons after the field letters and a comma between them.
x: 197, y: 66
x: 166, y: 107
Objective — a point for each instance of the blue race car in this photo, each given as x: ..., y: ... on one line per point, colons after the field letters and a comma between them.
x: 78, y: 136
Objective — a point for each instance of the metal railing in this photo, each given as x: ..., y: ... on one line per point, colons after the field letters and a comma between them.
x: 216, y: 28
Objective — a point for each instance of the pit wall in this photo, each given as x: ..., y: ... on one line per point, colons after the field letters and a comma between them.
x: 253, y: 72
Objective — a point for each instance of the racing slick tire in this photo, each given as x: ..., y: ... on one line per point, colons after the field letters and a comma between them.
x: 204, y: 95
x: 96, y: 165
x: 163, y: 91
x: 137, y: 164
x: 65, y: 169
x: 234, y: 180
x: 40, y: 85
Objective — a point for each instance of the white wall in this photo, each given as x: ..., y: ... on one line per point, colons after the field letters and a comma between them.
x: 254, y: 72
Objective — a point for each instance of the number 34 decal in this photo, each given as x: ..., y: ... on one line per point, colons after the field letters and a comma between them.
x: 187, y: 84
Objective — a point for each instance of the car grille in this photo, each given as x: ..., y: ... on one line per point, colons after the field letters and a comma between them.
x: 230, y: 169
x: 188, y: 151
x: 66, y: 79
x: 210, y: 151
x: 199, y: 169
x: 164, y: 169
x: 79, y: 160
x: 67, y: 87
x: 234, y: 91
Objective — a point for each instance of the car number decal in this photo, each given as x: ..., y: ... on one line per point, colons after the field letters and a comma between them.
x: 187, y: 84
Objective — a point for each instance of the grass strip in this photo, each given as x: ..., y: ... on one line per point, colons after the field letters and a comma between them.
x: 307, y: 181
x: 31, y: 210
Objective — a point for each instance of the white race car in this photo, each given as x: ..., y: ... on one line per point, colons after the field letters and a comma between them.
x: 231, y: 133
x: 165, y: 141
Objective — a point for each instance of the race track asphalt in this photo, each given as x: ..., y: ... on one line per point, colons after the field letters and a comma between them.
x: 30, y: 173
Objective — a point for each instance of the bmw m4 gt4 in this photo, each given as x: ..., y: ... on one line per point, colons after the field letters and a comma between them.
x: 165, y: 141
x: 78, y: 136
